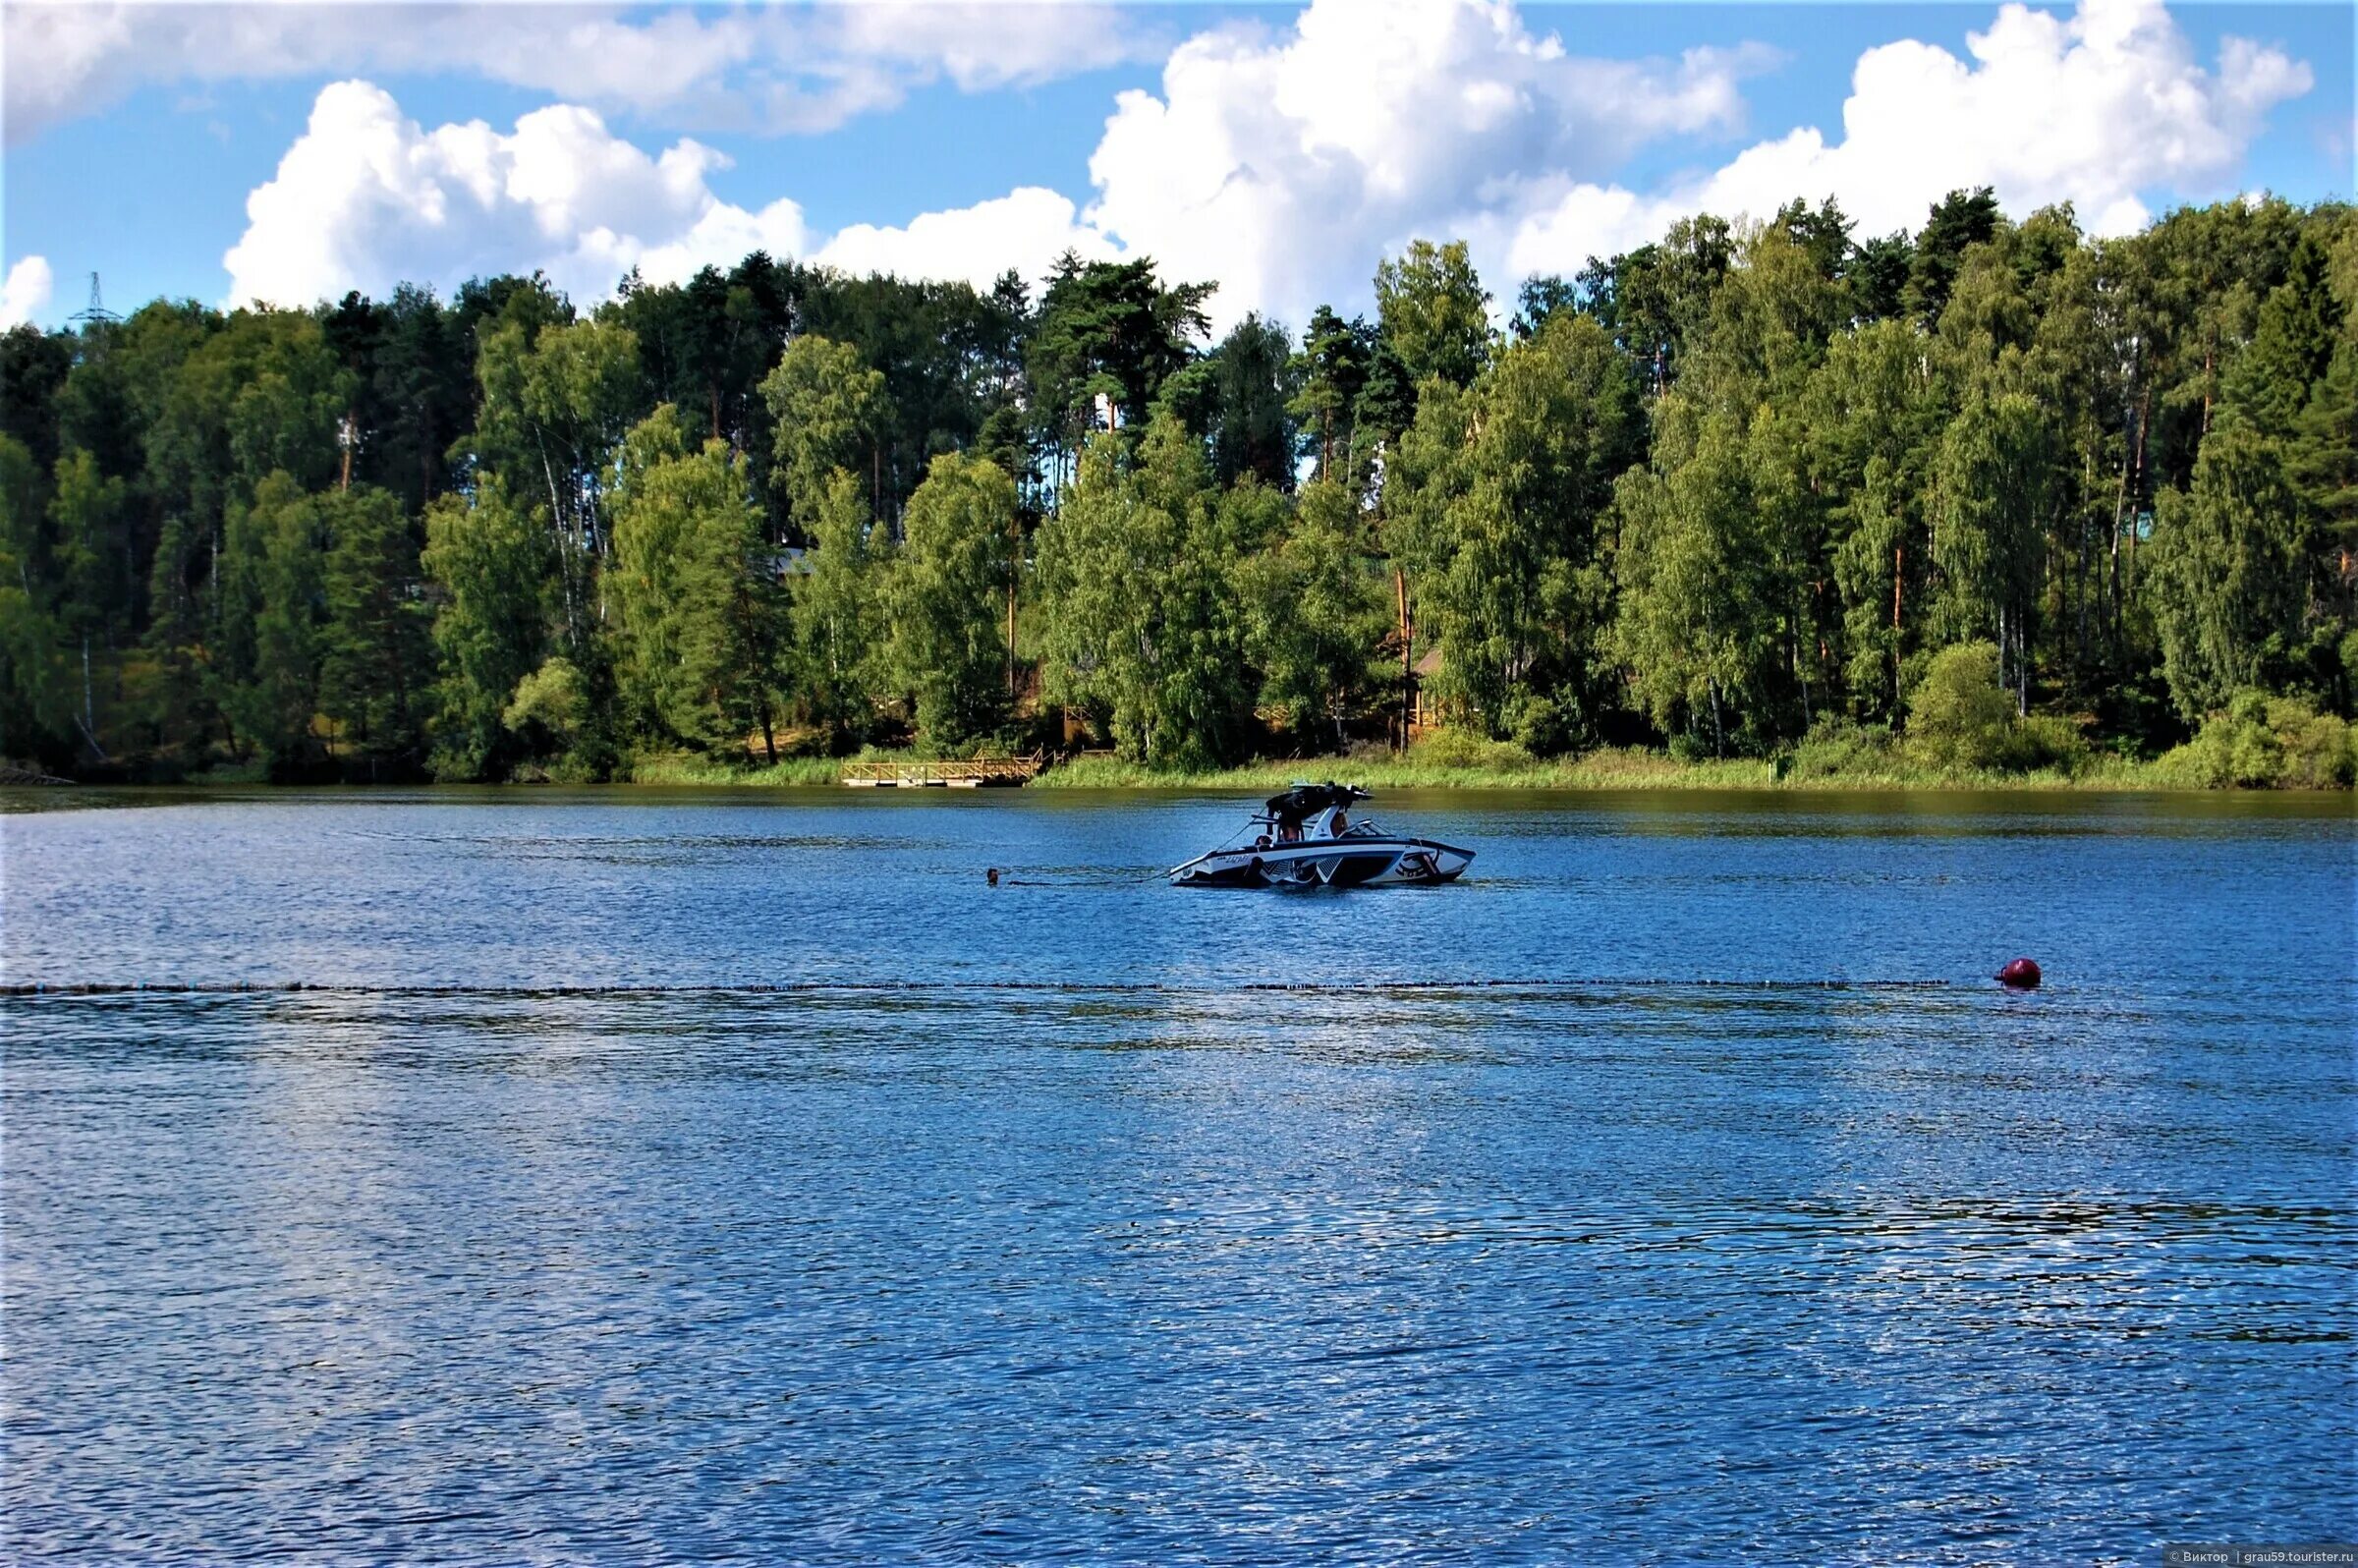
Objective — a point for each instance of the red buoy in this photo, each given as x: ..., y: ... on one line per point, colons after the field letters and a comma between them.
x: 2022, y: 975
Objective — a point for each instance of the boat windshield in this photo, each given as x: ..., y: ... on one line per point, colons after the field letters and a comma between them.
x: 1304, y: 802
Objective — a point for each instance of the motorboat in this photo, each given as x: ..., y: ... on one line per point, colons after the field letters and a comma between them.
x: 1306, y: 838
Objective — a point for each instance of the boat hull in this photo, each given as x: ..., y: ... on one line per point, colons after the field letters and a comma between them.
x: 1330, y: 863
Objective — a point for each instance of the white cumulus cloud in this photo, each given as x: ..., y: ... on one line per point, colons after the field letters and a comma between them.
x: 27, y: 292
x: 1026, y: 230
x: 366, y: 197
x: 2097, y: 108
x: 772, y: 68
x: 1280, y: 162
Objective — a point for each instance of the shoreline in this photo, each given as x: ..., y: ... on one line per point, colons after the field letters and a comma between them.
x: 1599, y: 773
x: 1595, y: 772
x: 1608, y: 769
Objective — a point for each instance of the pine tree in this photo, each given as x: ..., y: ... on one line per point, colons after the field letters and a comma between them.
x: 375, y: 642
x: 2227, y: 573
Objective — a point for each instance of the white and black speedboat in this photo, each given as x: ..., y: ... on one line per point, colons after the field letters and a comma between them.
x: 1306, y: 838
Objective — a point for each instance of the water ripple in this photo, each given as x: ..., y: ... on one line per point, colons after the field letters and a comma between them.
x: 887, y: 1222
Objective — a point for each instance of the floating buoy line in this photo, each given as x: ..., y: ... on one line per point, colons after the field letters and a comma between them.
x: 169, y: 988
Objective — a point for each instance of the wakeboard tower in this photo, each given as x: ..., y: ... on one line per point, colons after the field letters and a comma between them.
x: 1306, y: 838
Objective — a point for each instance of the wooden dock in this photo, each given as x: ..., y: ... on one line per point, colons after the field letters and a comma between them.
x: 993, y: 772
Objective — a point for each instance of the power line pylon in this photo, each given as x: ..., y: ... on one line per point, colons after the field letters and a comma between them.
x: 96, y: 310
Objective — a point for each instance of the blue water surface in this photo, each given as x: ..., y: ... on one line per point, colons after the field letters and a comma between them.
x: 1677, y: 1189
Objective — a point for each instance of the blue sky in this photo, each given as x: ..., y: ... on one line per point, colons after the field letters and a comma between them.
x: 1299, y: 146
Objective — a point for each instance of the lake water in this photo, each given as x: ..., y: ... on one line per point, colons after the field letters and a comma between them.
x: 1746, y: 1220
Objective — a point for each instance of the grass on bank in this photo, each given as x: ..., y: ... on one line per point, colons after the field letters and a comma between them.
x: 1612, y: 768
x: 1962, y: 733
x: 1503, y: 765
x: 786, y: 773
x: 1965, y: 736
x: 2256, y: 742
x: 1442, y: 762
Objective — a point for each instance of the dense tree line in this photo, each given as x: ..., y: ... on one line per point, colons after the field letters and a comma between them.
x: 1727, y: 491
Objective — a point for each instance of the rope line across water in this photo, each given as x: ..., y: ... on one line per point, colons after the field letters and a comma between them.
x: 878, y: 987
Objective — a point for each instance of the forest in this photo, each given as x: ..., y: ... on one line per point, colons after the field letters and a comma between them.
x: 1994, y: 497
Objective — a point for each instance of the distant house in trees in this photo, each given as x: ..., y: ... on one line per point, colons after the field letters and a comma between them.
x: 1425, y: 713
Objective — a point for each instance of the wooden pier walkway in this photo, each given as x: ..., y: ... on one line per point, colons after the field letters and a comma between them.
x: 981, y: 773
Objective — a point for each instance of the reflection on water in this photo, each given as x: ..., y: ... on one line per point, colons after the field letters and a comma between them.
x: 1045, y: 1232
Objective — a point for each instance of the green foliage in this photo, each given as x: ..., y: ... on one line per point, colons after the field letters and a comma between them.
x: 838, y: 616
x: 37, y: 697
x: 788, y: 772
x: 947, y: 595
x: 2292, y: 345
x: 1316, y: 610
x: 34, y: 367
x: 1745, y: 492
x: 1251, y: 429
x: 1693, y: 625
x: 1329, y: 374
x: 1539, y: 299
x: 1654, y: 300
x: 260, y: 394
x: 1435, y: 311
x: 265, y: 677
x: 1112, y: 330
x: 492, y: 560
x: 1960, y: 719
x: 2257, y: 741
x: 376, y: 660
x: 1500, y: 498
x: 1138, y: 573
x: 951, y: 359
x: 2321, y: 460
x: 1838, y: 747
x: 92, y: 551
x: 67, y: 557
x: 1724, y: 618
x: 1873, y: 410
x: 556, y: 400
x: 2043, y: 741
x: 830, y: 412
x: 2229, y: 571
x: 2321, y: 750
x: 1960, y: 221
x: 550, y: 709
x: 414, y: 392
x: 1456, y: 749
x: 1957, y: 716
x: 1992, y: 491
x: 702, y: 632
